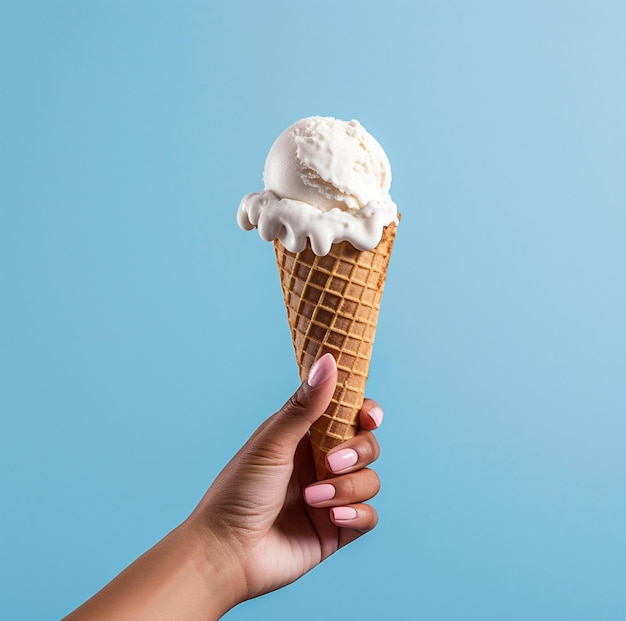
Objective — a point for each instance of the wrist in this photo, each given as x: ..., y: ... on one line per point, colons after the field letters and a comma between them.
x: 184, y: 577
x: 216, y: 566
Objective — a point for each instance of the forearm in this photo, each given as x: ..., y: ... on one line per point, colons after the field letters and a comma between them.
x: 182, y: 577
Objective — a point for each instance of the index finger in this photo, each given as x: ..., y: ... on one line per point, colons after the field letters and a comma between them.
x: 371, y: 415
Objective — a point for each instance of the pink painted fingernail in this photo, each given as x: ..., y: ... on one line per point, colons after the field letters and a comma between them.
x: 341, y: 460
x: 319, y: 493
x: 321, y: 370
x: 343, y: 514
x: 376, y: 414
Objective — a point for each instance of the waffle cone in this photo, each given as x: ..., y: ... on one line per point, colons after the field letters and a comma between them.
x: 332, y: 306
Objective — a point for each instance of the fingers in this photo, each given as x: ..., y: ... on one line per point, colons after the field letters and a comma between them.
x: 361, y: 517
x: 371, y: 415
x: 346, y: 489
x: 353, y: 454
x: 286, y: 427
x: 308, y: 403
x: 345, y: 495
x: 363, y: 449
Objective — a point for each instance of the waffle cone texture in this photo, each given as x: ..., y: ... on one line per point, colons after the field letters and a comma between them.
x: 332, y: 306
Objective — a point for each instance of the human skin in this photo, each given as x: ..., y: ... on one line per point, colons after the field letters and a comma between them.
x: 264, y: 522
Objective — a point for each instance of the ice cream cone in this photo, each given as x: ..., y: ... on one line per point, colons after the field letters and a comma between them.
x: 332, y: 304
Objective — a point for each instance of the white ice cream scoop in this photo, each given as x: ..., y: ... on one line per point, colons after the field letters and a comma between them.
x: 326, y: 180
x: 328, y: 163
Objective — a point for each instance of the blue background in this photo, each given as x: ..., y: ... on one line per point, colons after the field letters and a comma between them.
x: 143, y: 337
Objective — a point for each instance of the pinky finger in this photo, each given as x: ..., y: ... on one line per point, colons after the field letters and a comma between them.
x: 360, y: 517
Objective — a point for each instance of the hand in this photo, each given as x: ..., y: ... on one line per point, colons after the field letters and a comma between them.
x: 263, y: 523
x: 266, y: 509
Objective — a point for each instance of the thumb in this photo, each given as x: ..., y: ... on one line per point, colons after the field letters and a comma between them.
x: 285, y: 429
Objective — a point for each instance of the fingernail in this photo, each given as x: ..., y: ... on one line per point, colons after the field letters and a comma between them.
x: 341, y: 460
x: 343, y: 514
x: 376, y: 414
x: 321, y: 370
x: 319, y: 493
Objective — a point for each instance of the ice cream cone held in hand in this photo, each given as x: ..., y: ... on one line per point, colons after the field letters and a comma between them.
x: 327, y: 209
